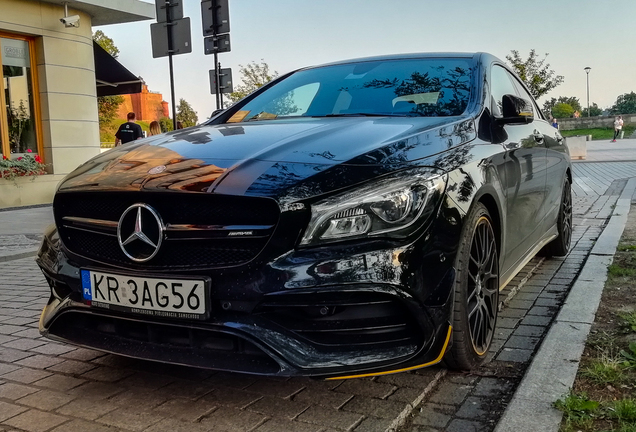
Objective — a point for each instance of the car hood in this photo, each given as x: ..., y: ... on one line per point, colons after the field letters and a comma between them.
x: 266, y: 158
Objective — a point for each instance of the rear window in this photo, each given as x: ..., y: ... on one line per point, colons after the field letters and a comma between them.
x: 409, y: 87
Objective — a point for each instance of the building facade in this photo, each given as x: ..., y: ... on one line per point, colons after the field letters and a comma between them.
x: 48, y: 106
x: 148, y: 106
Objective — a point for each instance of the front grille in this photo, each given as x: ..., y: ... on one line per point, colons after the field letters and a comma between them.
x: 173, y: 254
x: 175, y: 208
x: 201, y: 241
x: 344, y: 321
x: 170, y: 343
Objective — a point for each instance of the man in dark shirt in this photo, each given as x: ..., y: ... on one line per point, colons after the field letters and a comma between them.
x: 129, y: 131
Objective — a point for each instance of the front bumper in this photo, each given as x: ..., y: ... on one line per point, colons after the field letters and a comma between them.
x: 372, y: 326
x: 236, y: 346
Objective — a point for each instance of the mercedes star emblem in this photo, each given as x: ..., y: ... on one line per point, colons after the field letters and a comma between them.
x: 157, y: 170
x: 140, y: 232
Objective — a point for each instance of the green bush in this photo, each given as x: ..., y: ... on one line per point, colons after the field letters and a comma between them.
x: 562, y: 110
x: 166, y: 124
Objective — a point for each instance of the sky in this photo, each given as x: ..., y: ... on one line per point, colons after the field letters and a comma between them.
x: 289, y: 34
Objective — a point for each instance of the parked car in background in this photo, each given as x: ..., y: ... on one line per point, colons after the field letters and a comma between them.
x: 349, y: 219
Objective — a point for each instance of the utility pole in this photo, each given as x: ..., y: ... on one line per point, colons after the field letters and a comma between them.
x: 587, y: 72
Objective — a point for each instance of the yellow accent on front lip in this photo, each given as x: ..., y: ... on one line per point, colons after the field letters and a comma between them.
x: 437, y: 360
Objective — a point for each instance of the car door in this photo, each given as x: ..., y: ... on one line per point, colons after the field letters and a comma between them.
x: 555, y: 162
x: 524, y: 170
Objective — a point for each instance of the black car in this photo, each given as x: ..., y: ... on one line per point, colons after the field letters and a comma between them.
x: 350, y: 219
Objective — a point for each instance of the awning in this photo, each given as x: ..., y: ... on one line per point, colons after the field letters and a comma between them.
x: 111, y: 76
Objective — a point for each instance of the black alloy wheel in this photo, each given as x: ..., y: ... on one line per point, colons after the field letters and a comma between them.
x: 560, y: 246
x: 476, y: 292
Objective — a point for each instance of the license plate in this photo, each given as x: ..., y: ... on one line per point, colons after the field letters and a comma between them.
x: 171, y: 298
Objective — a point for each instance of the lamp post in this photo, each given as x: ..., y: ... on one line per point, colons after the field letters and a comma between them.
x: 587, y: 72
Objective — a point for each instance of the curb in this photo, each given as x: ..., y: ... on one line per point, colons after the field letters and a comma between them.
x: 27, y: 207
x: 601, y: 161
x: 554, y: 367
x: 19, y: 255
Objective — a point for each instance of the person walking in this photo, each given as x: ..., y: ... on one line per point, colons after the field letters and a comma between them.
x: 154, y: 128
x: 555, y: 124
x: 618, y: 126
x: 129, y: 131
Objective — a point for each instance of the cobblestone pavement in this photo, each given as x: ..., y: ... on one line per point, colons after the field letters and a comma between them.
x: 47, y: 386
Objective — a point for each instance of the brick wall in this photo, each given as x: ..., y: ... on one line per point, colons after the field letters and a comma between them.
x: 147, y: 106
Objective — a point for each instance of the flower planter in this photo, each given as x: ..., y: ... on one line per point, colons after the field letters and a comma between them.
x: 26, y: 190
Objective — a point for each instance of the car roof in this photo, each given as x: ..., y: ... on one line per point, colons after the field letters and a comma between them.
x: 473, y: 56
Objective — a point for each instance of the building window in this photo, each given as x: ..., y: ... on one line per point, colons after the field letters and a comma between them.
x: 19, y: 116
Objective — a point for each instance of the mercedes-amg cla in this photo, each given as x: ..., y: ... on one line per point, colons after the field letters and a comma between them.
x: 348, y: 219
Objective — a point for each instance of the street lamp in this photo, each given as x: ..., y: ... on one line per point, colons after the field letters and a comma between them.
x: 587, y: 72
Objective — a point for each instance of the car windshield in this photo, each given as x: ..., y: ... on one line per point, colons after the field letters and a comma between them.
x: 408, y: 87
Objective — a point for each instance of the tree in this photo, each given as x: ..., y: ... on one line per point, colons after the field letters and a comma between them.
x: 106, y: 43
x: 594, y: 111
x: 166, y: 124
x: 107, y: 106
x: 254, y: 76
x: 562, y: 110
x: 534, y: 72
x: 572, y: 101
x: 625, y: 104
x: 185, y: 114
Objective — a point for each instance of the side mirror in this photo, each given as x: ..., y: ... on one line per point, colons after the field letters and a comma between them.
x: 516, y: 110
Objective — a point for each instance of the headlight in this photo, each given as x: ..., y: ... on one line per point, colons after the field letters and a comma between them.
x: 389, y: 206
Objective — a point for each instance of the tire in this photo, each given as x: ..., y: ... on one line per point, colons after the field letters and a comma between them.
x: 476, y: 300
x: 560, y: 246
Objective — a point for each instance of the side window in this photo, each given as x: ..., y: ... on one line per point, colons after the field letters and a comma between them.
x: 501, y: 84
x: 295, y: 102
